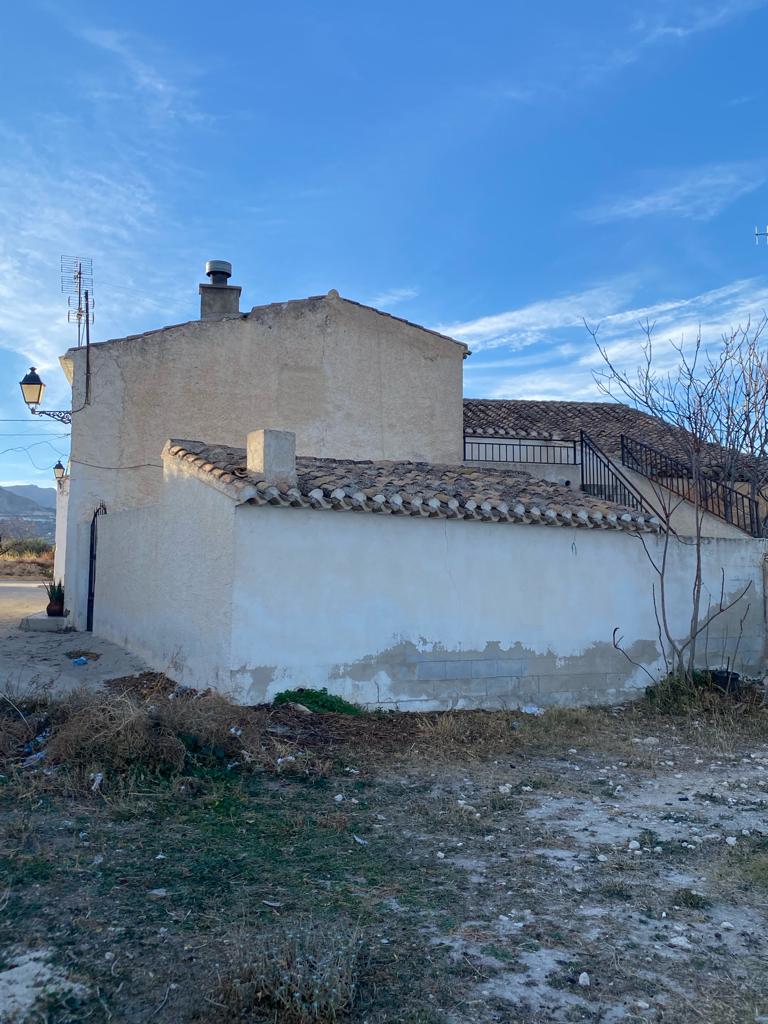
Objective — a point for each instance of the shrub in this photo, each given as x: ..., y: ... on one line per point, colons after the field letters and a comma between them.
x: 318, y: 700
x: 55, y: 591
x: 307, y: 974
x: 705, y: 691
x: 28, y: 547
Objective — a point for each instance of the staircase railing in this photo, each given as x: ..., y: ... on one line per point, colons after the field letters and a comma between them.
x: 676, y: 476
x: 601, y: 479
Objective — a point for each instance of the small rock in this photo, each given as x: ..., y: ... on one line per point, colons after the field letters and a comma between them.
x: 440, y: 855
x: 634, y: 845
x: 584, y: 979
x: 730, y: 840
x: 339, y: 798
x: 680, y: 942
x: 157, y: 894
x: 642, y: 1005
x: 726, y: 926
x: 602, y: 858
x: 295, y: 706
x: 505, y: 789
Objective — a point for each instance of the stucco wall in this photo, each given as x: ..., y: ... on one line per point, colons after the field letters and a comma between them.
x: 391, y: 610
x: 348, y: 381
x: 60, y: 540
x: 163, y: 581
x: 425, y: 613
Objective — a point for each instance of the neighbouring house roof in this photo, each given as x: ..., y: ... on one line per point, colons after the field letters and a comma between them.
x: 409, y: 488
x: 604, y: 422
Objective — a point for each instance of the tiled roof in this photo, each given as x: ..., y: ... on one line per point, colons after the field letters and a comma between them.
x: 409, y: 488
x: 605, y: 422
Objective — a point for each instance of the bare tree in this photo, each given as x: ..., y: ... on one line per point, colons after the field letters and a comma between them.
x: 711, y: 404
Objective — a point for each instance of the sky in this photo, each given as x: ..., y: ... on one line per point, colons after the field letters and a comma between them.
x: 500, y: 171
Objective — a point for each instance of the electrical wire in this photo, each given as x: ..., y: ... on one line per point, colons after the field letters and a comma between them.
x: 140, y: 465
x: 25, y: 448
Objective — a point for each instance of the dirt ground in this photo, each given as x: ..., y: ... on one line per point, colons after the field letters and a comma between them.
x: 25, y: 568
x: 592, y: 866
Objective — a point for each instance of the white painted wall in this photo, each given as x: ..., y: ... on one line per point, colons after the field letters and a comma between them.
x: 164, y: 581
x: 60, y: 540
x: 354, y: 601
x: 397, y: 610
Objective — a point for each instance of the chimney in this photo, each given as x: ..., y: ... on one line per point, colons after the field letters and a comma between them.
x: 271, y: 456
x: 219, y: 299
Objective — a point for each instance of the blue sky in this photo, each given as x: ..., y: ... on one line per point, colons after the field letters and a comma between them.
x: 497, y: 170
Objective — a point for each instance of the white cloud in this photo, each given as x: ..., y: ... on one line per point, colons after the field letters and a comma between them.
x: 519, y: 328
x: 394, y: 297
x: 696, y: 19
x: 699, y: 194
x: 561, y: 357
x: 166, y: 96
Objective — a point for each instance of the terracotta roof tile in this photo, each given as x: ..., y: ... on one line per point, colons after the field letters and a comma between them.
x: 411, y: 488
x: 604, y: 422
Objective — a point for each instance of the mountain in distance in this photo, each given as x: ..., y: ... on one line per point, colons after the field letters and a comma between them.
x: 15, y: 505
x: 22, y: 517
x: 45, y: 496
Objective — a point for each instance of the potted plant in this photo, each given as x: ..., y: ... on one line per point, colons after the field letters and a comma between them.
x: 55, y: 592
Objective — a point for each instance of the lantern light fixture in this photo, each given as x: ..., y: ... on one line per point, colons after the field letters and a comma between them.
x: 32, y: 388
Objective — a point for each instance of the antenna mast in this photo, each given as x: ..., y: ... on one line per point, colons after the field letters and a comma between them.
x: 77, y: 285
x: 761, y: 234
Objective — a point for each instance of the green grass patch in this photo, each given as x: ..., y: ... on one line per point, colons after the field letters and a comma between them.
x: 318, y: 700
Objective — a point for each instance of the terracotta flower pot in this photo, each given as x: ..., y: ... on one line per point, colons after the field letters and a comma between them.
x: 55, y: 609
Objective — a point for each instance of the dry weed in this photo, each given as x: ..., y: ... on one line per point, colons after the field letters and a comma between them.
x: 307, y: 974
x: 94, y: 733
x: 472, y: 733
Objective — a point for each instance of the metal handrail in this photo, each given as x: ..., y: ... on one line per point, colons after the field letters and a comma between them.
x: 549, y: 453
x: 676, y: 476
x: 601, y: 479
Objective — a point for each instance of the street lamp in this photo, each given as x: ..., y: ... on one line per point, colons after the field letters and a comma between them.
x: 32, y: 388
x: 59, y: 470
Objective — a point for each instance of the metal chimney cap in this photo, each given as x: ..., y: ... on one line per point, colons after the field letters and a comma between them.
x: 218, y: 267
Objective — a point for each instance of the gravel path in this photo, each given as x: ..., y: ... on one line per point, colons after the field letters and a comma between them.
x: 43, y: 661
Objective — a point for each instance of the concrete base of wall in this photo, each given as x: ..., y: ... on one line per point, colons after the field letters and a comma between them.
x: 41, y: 622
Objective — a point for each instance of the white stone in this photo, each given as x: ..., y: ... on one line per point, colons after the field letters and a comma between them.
x: 584, y: 979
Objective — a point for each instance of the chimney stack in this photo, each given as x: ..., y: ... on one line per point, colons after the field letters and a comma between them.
x: 219, y: 299
x: 271, y: 456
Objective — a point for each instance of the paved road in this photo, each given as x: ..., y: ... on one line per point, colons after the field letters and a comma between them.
x: 31, y: 662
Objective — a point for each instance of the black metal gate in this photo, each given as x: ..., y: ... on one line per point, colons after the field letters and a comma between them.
x: 100, y: 511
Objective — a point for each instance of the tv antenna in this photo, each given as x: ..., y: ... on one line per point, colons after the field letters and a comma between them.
x: 77, y: 285
x: 761, y: 234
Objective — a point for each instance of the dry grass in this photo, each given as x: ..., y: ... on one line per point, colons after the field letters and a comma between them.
x: 307, y: 974
x: 29, y: 550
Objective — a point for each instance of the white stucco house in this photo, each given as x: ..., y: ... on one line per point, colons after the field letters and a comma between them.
x: 299, y: 495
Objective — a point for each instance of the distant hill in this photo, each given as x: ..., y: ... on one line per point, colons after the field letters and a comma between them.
x: 45, y: 496
x: 12, y: 504
x: 22, y: 517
